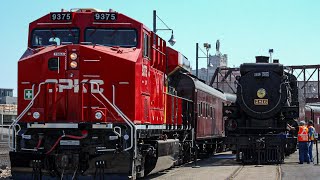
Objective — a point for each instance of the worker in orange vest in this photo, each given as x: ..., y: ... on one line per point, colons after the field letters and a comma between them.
x: 311, y: 132
x: 303, y: 138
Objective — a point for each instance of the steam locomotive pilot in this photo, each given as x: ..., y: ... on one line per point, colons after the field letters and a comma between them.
x: 303, y: 138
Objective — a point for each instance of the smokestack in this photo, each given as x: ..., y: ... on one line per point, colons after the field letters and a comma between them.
x: 262, y: 59
x: 275, y: 60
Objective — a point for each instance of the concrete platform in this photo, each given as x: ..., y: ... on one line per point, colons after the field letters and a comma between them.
x: 291, y: 170
x: 223, y: 166
x: 216, y: 167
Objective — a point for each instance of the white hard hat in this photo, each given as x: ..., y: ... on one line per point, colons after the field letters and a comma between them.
x: 302, y: 123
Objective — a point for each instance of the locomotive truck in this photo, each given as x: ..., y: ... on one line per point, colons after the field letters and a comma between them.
x: 100, y: 95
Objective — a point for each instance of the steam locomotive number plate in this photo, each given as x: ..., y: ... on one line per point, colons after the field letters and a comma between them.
x: 261, y: 102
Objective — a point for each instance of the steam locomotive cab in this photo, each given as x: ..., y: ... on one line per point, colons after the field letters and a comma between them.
x: 267, y: 99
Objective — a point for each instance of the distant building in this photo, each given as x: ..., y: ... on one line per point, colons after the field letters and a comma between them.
x: 6, y: 92
x: 6, y: 96
x: 8, y: 106
x: 215, y: 61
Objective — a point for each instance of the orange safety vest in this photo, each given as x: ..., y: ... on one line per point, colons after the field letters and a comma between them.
x: 303, y: 134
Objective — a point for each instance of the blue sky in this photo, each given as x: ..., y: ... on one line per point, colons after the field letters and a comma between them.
x: 246, y: 28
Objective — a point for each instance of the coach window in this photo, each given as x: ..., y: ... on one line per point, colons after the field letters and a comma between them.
x: 207, y: 110
x: 211, y: 111
x: 146, y: 42
x: 199, y: 109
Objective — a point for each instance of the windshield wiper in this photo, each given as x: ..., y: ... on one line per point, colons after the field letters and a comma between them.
x: 65, y: 43
x: 86, y: 43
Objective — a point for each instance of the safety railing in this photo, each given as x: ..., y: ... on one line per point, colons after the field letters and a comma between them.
x: 12, y: 128
x: 3, y: 133
x: 116, y: 130
x: 133, y: 133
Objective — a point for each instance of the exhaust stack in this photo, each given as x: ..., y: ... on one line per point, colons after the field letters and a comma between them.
x: 262, y: 59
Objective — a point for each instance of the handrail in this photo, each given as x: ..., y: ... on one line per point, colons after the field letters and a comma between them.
x: 15, y: 122
x: 125, y: 118
x: 122, y: 115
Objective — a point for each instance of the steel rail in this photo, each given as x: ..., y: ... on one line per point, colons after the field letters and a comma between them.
x: 235, y: 173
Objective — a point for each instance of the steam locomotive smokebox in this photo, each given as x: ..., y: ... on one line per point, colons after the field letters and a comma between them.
x: 262, y: 59
x: 265, y: 77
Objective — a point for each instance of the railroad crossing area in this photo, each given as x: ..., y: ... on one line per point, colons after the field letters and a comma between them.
x: 223, y: 166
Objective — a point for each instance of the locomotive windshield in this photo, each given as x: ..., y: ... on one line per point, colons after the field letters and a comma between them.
x: 45, y: 37
x: 112, y: 37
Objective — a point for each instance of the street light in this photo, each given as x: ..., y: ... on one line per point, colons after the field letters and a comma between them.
x: 207, y: 46
x: 270, y: 52
x: 172, y: 40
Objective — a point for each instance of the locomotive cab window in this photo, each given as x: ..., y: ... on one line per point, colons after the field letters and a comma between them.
x: 112, y: 37
x: 53, y: 64
x: 46, y: 37
x: 146, y: 42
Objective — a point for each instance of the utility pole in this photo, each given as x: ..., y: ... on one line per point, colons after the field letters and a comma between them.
x: 154, y: 21
x: 197, y: 59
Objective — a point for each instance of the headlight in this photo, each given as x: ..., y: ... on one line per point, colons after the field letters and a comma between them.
x: 73, y: 64
x: 36, y: 115
x: 261, y: 93
x: 98, y: 115
x: 73, y: 56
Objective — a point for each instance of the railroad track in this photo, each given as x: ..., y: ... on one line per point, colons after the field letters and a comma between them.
x: 235, y: 174
x: 279, y: 172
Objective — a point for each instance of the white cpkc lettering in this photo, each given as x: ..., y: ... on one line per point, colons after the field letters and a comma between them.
x: 67, y: 84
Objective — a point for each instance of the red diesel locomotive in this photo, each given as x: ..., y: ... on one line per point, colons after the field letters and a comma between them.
x: 100, y: 95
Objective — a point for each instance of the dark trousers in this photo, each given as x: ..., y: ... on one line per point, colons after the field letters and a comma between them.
x: 310, y: 150
x: 303, y: 152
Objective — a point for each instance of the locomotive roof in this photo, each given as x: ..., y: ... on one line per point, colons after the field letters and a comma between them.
x: 254, y: 67
x: 208, y: 89
x: 231, y: 97
x: 315, y: 108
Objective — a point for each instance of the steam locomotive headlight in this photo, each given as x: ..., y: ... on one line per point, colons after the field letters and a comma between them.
x: 261, y: 93
x: 36, y: 115
x: 98, y: 115
x: 73, y: 64
x: 73, y: 56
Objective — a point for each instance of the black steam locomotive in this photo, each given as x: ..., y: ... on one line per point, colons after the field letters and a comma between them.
x: 256, y: 124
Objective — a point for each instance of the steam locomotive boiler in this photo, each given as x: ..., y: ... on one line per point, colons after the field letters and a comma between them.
x: 256, y: 125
